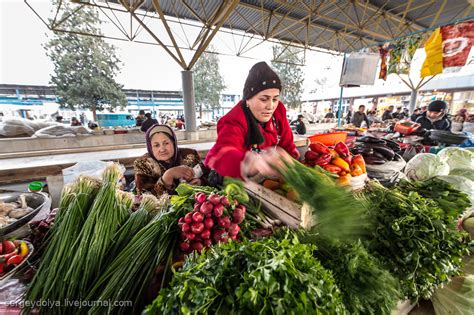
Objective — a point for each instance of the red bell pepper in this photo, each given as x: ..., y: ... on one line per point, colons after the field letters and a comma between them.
x: 342, y: 149
x: 311, y: 156
x: 324, y: 159
x: 332, y: 168
x: 319, y: 148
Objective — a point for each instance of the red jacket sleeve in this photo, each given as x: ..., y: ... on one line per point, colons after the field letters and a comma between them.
x: 287, y: 141
x: 229, y: 149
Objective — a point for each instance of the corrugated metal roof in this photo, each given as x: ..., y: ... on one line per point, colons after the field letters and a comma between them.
x: 340, y: 25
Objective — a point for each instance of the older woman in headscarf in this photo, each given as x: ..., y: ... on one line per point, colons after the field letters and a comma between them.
x: 165, y: 165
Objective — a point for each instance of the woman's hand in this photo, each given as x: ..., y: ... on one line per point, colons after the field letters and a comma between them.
x: 267, y: 164
x: 178, y: 172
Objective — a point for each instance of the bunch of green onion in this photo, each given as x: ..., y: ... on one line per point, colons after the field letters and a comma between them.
x: 107, y: 214
x: 47, y: 283
x: 129, y: 274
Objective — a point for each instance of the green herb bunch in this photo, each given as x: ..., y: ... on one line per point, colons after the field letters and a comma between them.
x: 268, y: 276
x: 414, y: 239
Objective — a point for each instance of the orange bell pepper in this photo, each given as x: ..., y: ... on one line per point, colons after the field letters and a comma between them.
x: 359, y: 160
x: 344, y: 180
x: 356, y: 170
x: 342, y: 164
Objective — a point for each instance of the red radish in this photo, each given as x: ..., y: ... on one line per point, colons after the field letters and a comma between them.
x: 238, y: 215
x: 207, y: 243
x: 214, y: 199
x: 234, y: 229
x: 243, y: 208
x: 224, y: 222
x: 209, y: 215
x: 234, y: 237
x: 224, y: 201
x: 186, y: 228
x: 197, y: 207
x: 8, y: 247
x: 219, y: 236
x: 197, y: 246
x: 190, y: 236
x: 206, y: 234
x: 200, y: 197
x: 188, y: 218
x: 206, y: 208
x: 208, y: 223
x: 184, y: 246
x: 197, y: 228
x: 181, y: 222
x: 218, y: 210
x: 198, y: 217
x: 183, y: 235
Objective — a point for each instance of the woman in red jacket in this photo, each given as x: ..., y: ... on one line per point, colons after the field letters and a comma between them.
x: 257, y: 123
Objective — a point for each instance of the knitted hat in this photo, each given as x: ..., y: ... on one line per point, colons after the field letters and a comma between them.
x: 437, y: 106
x: 261, y: 77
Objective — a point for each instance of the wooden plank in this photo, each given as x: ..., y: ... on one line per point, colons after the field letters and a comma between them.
x: 291, y: 208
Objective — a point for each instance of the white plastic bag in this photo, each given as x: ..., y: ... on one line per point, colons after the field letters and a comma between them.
x: 424, y: 166
x: 87, y: 168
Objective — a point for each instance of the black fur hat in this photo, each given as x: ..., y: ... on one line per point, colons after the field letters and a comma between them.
x: 261, y: 77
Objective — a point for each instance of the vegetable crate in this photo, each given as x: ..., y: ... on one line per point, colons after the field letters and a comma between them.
x: 277, y: 206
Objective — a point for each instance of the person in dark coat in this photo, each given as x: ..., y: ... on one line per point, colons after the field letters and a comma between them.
x: 257, y: 124
x: 416, y: 114
x: 435, y: 117
x: 140, y: 118
x: 359, y: 117
x: 330, y: 114
x: 149, y: 121
x: 387, y: 115
x: 300, y: 126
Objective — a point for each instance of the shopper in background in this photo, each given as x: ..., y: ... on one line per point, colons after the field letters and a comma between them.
x: 360, y: 117
x: 387, y: 115
x: 329, y: 114
x: 398, y: 114
x: 416, y: 114
x: 75, y: 122
x: 140, y: 118
x: 300, y: 126
x: 435, y: 117
x: 149, y: 121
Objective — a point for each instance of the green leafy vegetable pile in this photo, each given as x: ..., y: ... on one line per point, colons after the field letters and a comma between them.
x: 451, y: 200
x: 414, y: 239
x: 268, y: 276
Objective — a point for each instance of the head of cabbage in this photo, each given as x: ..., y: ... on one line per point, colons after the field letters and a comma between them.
x: 424, y: 166
x: 457, y: 158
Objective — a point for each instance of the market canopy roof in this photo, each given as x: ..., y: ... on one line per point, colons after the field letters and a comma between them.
x: 336, y: 25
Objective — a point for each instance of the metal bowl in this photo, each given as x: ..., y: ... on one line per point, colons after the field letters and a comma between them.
x: 35, y: 201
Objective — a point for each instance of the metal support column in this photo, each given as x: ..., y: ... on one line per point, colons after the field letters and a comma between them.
x: 339, y: 110
x: 189, y: 105
x: 413, y: 97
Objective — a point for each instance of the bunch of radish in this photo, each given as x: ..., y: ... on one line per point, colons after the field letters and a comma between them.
x: 213, y: 220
